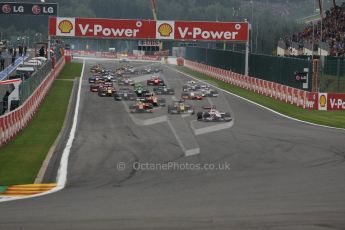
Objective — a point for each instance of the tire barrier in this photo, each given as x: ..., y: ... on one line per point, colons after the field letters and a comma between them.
x: 15, y: 121
x: 300, y: 98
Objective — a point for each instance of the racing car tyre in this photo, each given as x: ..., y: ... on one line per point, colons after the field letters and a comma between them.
x: 199, y: 116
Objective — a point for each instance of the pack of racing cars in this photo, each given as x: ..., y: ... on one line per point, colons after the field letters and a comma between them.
x: 143, y: 99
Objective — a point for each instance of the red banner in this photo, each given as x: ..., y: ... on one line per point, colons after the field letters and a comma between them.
x: 224, y: 31
x: 148, y: 29
x: 336, y: 101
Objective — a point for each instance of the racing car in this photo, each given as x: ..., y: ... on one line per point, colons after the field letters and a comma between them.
x: 140, y: 90
x: 126, y: 81
x: 125, y: 94
x: 213, y: 115
x: 191, y: 96
x: 163, y: 90
x: 96, y: 68
x: 109, y: 78
x: 131, y: 70
x: 106, y: 91
x: 208, y: 92
x: 124, y: 60
x: 141, y: 107
x: 195, y: 87
x: 157, y: 70
x: 180, y: 107
x: 96, y: 79
x: 94, y: 87
x: 146, y: 71
x: 155, y: 101
x: 155, y: 80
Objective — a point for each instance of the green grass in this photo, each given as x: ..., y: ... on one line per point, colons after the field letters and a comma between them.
x: 329, y: 118
x: 71, y: 71
x: 21, y: 159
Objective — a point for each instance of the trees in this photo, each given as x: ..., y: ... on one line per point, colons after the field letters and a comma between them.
x: 273, y: 17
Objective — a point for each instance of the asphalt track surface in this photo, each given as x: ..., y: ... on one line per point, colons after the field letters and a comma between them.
x: 284, y: 174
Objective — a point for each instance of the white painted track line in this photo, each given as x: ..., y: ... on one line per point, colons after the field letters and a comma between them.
x: 62, y: 172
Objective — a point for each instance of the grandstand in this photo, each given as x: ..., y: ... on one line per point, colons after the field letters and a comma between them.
x: 324, y: 37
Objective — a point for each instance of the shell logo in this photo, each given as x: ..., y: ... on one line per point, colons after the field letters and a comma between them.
x: 165, y: 30
x: 323, y: 101
x: 65, y: 26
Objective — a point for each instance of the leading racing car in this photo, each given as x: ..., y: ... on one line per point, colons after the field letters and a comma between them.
x: 213, y: 115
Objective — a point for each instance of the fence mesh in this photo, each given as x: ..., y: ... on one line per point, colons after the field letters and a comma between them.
x: 29, y: 85
x: 332, y: 74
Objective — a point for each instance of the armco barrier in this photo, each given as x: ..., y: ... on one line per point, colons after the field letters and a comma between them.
x: 280, y: 92
x: 15, y: 121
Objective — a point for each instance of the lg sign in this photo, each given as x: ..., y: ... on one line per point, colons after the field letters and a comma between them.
x: 28, y: 8
x: 36, y: 9
x: 6, y: 9
x: 147, y: 29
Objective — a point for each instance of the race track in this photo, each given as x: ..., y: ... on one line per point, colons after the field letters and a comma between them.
x: 284, y: 174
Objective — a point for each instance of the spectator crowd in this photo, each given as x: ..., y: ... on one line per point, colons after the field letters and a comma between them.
x: 332, y: 32
x: 8, y: 55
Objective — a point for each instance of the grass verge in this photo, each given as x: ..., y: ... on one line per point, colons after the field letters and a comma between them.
x: 21, y: 159
x: 329, y: 118
x: 71, y: 71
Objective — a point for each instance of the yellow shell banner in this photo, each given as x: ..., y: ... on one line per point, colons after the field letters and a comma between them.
x: 165, y: 30
x: 65, y: 26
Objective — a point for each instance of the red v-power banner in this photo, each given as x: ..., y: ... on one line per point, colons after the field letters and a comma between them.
x: 148, y: 29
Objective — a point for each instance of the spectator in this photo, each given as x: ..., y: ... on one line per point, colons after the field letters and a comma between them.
x: 333, y: 31
x: 25, y: 49
x: 14, y: 57
x: 2, y: 63
x: 41, y: 52
x: 20, y: 51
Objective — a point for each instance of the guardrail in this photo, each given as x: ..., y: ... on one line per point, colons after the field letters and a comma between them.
x: 15, y: 121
